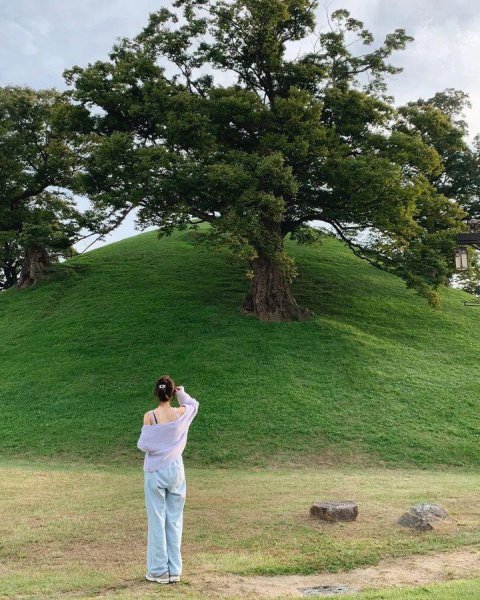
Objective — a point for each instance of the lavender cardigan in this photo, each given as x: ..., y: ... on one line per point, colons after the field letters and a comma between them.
x: 164, y: 442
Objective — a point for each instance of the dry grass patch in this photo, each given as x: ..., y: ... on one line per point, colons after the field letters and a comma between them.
x: 74, y: 530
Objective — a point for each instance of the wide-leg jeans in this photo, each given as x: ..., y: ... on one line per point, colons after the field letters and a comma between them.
x: 165, y: 491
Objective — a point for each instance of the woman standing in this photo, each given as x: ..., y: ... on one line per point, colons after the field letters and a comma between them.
x: 163, y: 439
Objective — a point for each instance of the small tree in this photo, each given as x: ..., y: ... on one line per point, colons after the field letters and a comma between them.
x: 39, y: 155
x: 283, y: 143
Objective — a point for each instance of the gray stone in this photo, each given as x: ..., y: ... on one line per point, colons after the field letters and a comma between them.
x: 429, y: 512
x: 421, y: 516
x: 413, y: 521
x: 335, y: 511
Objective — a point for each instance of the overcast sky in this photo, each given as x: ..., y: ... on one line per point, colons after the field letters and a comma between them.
x: 41, y: 38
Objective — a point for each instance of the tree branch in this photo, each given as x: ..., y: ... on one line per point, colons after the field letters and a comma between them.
x: 355, y: 248
x: 114, y: 225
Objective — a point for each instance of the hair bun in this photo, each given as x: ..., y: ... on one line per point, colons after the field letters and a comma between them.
x: 164, y: 388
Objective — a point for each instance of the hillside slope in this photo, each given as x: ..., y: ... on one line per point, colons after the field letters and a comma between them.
x: 376, y: 377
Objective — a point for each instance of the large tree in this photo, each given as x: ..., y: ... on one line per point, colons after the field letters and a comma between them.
x: 40, y: 153
x: 211, y: 113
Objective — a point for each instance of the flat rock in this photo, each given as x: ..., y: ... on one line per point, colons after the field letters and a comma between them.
x: 413, y: 521
x: 345, y: 510
x: 327, y: 590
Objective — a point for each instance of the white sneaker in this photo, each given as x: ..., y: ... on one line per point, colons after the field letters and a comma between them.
x: 164, y: 578
x: 174, y: 578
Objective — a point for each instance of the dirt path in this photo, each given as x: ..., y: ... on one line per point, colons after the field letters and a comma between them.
x: 411, y: 571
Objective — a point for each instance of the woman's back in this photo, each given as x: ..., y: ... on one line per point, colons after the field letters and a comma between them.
x: 165, y: 441
x: 163, y: 438
x: 158, y: 415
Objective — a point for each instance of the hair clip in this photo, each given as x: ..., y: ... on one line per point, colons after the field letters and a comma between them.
x: 161, y: 386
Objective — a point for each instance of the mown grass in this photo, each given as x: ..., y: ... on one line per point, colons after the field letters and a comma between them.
x: 74, y: 531
x: 453, y: 590
x: 377, y: 377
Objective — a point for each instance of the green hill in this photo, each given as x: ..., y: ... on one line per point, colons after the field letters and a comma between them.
x: 376, y: 377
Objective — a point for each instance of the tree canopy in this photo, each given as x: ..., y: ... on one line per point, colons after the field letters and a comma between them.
x: 207, y: 115
x: 40, y: 152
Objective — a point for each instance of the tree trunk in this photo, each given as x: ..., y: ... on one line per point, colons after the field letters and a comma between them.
x: 270, y: 298
x: 34, y: 267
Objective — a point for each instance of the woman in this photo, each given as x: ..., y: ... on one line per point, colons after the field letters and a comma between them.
x: 163, y: 439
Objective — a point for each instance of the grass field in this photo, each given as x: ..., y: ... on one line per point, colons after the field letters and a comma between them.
x: 376, y: 378
x: 80, y: 532
x: 457, y: 590
x: 296, y: 411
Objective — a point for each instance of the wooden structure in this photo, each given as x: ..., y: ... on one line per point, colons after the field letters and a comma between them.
x: 470, y: 238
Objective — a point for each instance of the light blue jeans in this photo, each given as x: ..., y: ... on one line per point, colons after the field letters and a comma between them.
x: 165, y: 491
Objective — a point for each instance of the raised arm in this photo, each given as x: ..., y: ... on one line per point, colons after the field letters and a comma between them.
x: 185, y: 400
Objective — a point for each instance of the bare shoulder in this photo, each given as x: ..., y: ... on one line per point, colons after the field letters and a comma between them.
x: 147, y: 418
x: 181, y: 410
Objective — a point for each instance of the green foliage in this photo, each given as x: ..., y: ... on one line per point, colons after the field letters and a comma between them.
x: 377, y: 377
x: 283, y: 143
x: 40, y: 149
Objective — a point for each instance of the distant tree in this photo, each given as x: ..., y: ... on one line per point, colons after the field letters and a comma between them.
x: 272, y: 145
x: 439, y: 121
x: 39, y: 156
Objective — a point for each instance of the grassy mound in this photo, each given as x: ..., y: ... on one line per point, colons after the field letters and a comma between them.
x: 376, y: 377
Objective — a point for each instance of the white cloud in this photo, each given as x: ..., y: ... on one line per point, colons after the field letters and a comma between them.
x: 40, y: 39
x: 19, y: 38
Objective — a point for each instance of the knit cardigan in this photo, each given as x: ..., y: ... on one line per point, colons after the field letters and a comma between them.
x: 164, y: 442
